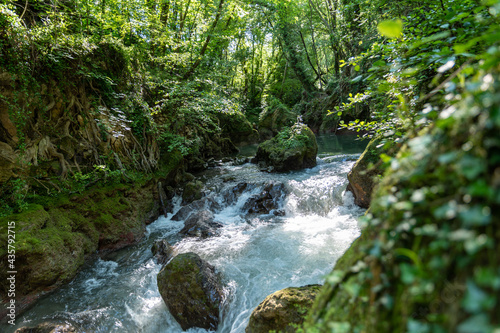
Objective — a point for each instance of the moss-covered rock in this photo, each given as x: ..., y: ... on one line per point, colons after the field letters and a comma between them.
x: 427, y: 259
x: 283, y: 311
x: 293, y: 148
x: 367, y: 170
x: 192, y: 191
x: 192, y: 291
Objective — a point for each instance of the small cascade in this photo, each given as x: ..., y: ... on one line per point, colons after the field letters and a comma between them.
x: 274, y: 231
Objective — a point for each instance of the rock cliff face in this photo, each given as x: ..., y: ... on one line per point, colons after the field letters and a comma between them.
x: 283, y: 311
x: 294, y: 148
x: 192, y: 291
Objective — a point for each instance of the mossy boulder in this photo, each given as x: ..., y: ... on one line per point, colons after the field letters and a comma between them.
x: 192, y: 291
x: 283, y: 311
x: 367, y: 170
x: 192, y: 191
x: 293, y: 148
x: 427, y: 257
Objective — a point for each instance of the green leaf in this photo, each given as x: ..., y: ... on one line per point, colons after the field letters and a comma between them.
x: 477, y: 300
x: 390, y: 28
x: 475, y: 324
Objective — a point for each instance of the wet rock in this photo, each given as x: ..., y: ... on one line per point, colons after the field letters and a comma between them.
x: 200, y: 224
x: 365, y: 173
x: 48, y: 328
x: 192, y: 291
x: 283, y: 311
x: 162, y: 251
x: 241, y: 160
x: 192, y: 191
x: 270, y: 199
x: 291, y: 149
x: 166, y: 204
x: 202, y: 204
x: 231, y: 196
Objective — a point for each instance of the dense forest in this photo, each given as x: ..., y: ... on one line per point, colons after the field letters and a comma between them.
x: 108, y: 107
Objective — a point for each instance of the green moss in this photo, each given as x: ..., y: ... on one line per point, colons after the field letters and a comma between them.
x: 292, y: 149
x: 283, y: 311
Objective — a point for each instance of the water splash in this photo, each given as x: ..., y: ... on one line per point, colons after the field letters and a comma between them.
x: 256, y: 254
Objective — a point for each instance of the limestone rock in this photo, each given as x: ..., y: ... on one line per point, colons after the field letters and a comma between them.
x: 283, y: 311
x: 294, y: 148
x: 364, y: 174
x: 192, y: 291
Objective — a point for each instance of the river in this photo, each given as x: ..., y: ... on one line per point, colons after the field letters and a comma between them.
x: 255, y: 254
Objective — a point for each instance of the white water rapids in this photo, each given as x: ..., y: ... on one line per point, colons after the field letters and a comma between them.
x: 256, y: 255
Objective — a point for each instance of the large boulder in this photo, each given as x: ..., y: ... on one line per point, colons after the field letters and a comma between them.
x: 192, y: 291
x: 283, y: 311
x: 294, y: 148
x: 200, y: 224
x: 367, y: 170
x: 231, y: 196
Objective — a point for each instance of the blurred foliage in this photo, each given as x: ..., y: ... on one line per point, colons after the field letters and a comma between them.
x: 426, y: 261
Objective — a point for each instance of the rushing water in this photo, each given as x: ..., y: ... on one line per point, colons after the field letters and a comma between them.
x: 256, y: 254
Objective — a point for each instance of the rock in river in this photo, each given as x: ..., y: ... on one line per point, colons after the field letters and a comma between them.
x: 283, y: 311
x: 192, y: 291
x: 293, y: 148
x: 162, y: 251
x: 200, y: 224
